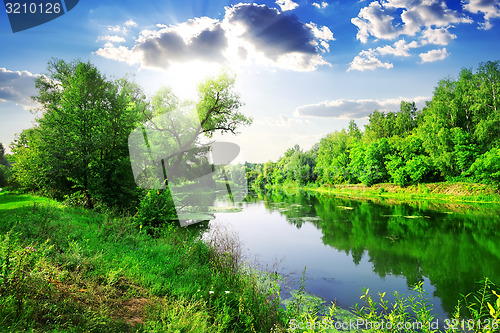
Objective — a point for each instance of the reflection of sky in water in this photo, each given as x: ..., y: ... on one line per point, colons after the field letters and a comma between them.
x: 331, y: 274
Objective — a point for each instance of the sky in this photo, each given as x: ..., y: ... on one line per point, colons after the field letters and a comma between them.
x: 303, y: 68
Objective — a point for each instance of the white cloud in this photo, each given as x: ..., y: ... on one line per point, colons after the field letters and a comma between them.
x: 428, y: 14
x: 366, y: 60
x: 399, y: 48
x: 440, y: 36
x: 354, y: 109
x: 119, y: 53
x: 130, y: 23
x: 374, y: 20
x: 122, y: 29
x: 248, y: 34
x: 489, y: 8
x: 286, y: 5
x: 320, y: 5
x: 377, y: 19
x: 434, y: 55
x: 117, y: 29
x: 111, y: 38
x: 323, y: 34
x: 17, y: 87
x: 422, y: 21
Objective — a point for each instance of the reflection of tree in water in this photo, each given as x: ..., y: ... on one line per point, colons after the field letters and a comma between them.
x: 454, y: 250
x: 297, y: 208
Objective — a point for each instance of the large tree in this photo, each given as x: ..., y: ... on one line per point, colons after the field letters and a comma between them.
x: 174, y: 127
x: 79, y: 144
x: 463, y: 119
x: 169, y: 152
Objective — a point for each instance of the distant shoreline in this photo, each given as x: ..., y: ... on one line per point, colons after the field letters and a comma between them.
x: 455, y: 192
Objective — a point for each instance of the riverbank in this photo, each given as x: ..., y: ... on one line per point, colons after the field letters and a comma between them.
x: 65, y: 269
x: 72, y: 269
x: 445, y: 192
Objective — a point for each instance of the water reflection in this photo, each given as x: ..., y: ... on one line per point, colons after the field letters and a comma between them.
x: 347, y: 244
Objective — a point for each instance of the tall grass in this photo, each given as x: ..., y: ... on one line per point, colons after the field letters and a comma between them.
x: 70, y: 269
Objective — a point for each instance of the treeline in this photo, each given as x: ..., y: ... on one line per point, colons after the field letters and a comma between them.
x: 455, y: 137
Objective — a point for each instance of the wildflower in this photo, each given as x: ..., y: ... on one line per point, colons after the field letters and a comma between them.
x: 211, y: 292
x: 227, y: 291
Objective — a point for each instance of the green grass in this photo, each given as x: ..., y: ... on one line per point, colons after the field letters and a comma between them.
x: 70, y: 269
x: 9, y: 201
x: 66, y: 269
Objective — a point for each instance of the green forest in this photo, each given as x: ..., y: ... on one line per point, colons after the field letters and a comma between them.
x: 455, y: 137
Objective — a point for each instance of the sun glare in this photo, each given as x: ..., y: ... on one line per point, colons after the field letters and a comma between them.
x: 184, y: 78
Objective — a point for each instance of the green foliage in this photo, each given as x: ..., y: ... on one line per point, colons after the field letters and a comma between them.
x: 453, y: 137
x: 481, y: 309
x: 333, y: 157
x: 218, y: 106
x: 462, y: 120
x: 396, y: 168
x: 486, y: 168
x: 79, y: 144
x: 98, y: 273
x: 156, y: 208
x: 416, y: 312
x: 406, y: 314
x: 376, y: 156
x: 381, y: 125
x: 5, y: 173
x: 406, y: 310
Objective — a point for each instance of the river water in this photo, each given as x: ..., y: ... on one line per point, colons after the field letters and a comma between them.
x: 345, y: 245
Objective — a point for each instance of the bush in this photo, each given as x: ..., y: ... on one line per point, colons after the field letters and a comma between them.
x: 155, y: 210
x: 486, y: 168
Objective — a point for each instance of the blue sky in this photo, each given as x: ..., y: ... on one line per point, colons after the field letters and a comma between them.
x: 304, y: 68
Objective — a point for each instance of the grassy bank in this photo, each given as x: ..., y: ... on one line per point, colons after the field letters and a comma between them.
x: 454, y: 192
x: 66, y: 269
x: 70, y: 269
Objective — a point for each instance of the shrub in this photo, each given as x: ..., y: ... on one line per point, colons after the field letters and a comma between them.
x: 155, y: 210
x: 486, y: 168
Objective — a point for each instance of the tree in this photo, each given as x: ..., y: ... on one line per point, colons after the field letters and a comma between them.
x: 486, y: 168
x: 406, y: 119
x: 80, y: 140
x: 176, y: 127
x: 218, y: 106
x: 463, y: 119
x: 376, y: 157
x: 353, y: 131
x: 381, y: 125
x: 333, y: 158
x: 4, y: 166
x: 3, y: 160
x: 487, y: 105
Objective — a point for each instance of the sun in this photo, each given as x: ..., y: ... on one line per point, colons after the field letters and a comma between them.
x: 184, y: 78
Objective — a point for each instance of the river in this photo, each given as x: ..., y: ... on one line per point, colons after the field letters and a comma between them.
x: 380, y: 244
